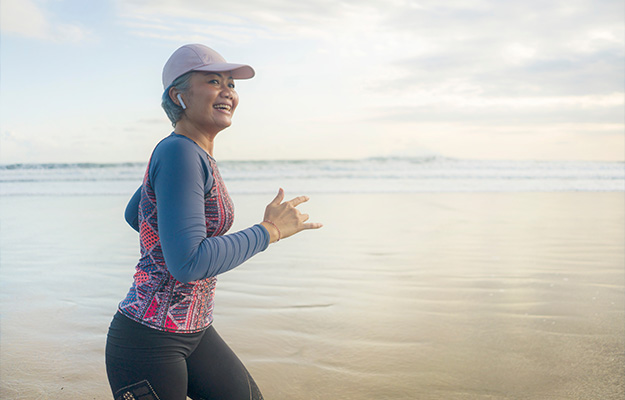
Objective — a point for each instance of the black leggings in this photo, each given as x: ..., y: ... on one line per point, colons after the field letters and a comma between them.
x: 144, y: 363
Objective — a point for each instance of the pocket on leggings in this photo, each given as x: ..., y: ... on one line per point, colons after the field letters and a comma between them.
x: 138, y: 391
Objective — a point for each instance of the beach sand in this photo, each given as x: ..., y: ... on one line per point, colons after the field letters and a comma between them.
x: 399, y: 296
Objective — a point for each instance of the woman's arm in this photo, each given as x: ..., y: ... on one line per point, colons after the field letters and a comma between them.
x: 178, y: 176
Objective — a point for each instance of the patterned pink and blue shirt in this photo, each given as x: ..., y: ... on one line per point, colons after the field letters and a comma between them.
x: 182, y: 212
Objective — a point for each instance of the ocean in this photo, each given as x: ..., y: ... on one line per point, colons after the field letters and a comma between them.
x: 373, y: 175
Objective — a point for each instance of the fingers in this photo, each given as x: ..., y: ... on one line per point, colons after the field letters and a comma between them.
x: 312, y: 225
x: 279, y: 197
x: 293, y: 202
x: 298, y: 200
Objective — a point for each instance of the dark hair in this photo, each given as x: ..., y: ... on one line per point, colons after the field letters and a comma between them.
x: 174, y: 111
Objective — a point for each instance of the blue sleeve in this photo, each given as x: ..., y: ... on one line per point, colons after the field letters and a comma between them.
x: 179, y: 176
x: 132, y: 210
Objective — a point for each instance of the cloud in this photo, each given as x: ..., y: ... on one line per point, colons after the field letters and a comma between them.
x: 573, y: 74
x: 481, y: 35
x: 493, y: 62
x: 246, y: 21
x: 25, y: 18
x: 274, y: 14
x: 550, y: 48
x: 503, y: 112
x: 16, y: 147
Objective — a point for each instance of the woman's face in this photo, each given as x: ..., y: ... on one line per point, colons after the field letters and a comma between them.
x: 211, y: 100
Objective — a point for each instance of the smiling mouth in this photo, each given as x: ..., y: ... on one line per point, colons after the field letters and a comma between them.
x: 224, y: 107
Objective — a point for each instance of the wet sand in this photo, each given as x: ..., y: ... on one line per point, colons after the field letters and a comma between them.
x: 399, y: 296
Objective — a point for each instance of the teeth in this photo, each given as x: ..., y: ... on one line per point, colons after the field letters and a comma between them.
x: 222, y: 107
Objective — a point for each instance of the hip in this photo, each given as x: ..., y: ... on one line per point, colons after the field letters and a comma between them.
x: 131, y: 340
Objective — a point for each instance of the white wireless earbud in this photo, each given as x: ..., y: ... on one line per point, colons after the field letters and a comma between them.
x: 184, y: 107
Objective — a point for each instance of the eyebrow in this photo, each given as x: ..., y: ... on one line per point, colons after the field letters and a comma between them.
x: 216, y: 73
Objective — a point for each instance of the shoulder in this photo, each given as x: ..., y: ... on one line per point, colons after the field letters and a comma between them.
x: 177, y: 146
x: 180, y: 155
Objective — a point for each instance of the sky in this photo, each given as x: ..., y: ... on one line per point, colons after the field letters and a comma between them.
x: 80, y: 81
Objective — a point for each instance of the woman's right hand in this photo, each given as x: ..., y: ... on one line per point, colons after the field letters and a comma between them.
x: 283, y: 219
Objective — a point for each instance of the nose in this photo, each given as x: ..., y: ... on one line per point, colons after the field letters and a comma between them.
x: 227, y: 92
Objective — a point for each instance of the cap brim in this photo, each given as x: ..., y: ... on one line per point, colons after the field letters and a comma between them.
x: 239, y: 71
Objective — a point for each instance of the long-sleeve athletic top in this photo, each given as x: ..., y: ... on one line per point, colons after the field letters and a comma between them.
x: 181, y: 211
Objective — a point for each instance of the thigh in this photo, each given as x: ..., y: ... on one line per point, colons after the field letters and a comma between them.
x: 149, y: 381
x: 215, y: 372
x: 141, y: 361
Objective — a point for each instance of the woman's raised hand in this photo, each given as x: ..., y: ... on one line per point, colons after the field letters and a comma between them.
x: 282, y: 219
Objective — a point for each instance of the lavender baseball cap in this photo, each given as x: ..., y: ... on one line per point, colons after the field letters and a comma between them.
x: 197, y: 57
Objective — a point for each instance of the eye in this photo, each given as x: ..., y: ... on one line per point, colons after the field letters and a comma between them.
x: 214, y: 81
x: 231, y: 85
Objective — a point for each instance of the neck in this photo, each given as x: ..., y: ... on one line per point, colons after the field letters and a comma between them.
x: 204, y: 139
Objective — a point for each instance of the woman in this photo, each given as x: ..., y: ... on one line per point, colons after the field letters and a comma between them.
x: 161, y: 343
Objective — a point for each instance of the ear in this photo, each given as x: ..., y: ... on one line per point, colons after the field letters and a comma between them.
x: 173, y: 95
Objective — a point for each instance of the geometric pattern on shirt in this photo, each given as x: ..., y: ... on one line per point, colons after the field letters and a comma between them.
x: 156, y: 298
